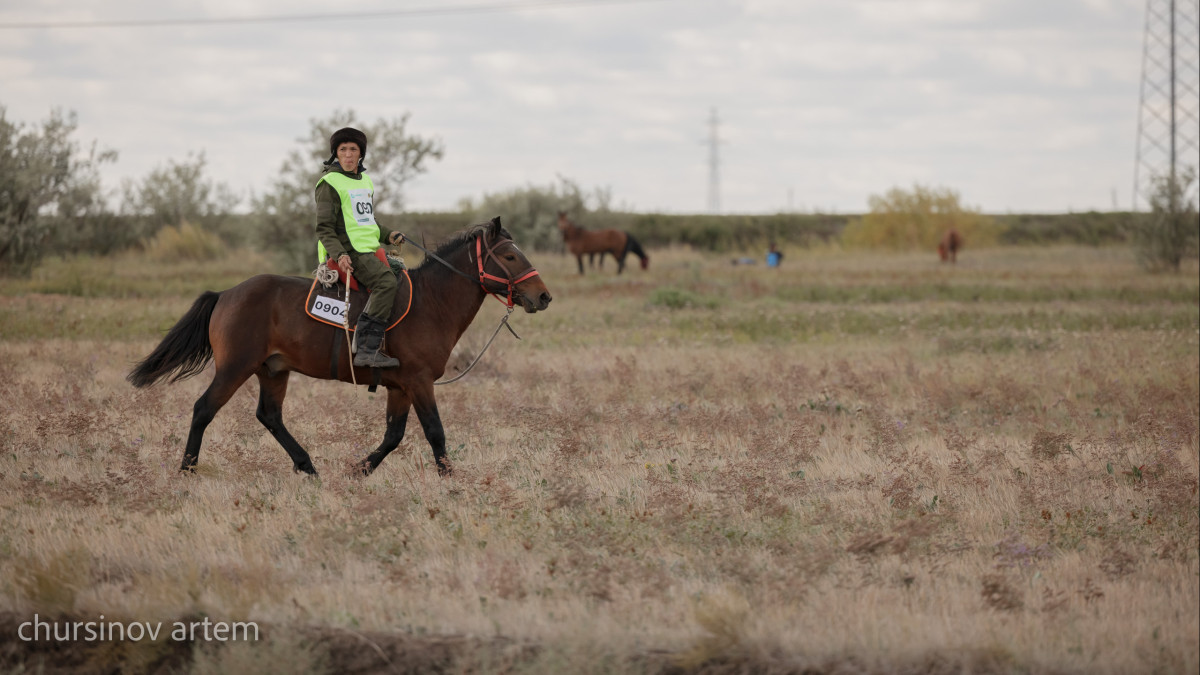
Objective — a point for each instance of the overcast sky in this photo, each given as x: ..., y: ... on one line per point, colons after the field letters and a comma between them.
x: 1019, y: 105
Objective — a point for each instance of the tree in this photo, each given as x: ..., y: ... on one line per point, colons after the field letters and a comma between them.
x: 531, y: 213
x: 285, y: 212
x: 1172, y: 228
x: 178, y: 193
x: 905, y: 220
x: 48, y: 185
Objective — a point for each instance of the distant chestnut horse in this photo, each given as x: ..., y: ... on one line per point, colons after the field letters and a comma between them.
x: 580, y: 241
x: 260, y: 328
x: 948, y: 247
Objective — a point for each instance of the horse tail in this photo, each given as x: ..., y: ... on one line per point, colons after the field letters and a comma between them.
x: 184, y: 351
x: 632, y: 246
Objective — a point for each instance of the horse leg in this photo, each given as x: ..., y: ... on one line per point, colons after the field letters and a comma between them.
x: 224, y: 384
x: 398, y: 404
x: 271, y: 391
x: 620, y: 261
x: 579, y: 259
x: 431, y: 424
x: 592, y: 260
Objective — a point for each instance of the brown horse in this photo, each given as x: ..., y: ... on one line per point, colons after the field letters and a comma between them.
x: 948, y: 247
x: 259, y: 328
x: 580, y: 241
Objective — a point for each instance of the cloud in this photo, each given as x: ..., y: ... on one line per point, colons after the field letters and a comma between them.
x: 830, y: 101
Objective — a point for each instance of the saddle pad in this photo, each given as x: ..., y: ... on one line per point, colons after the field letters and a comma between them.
x: 327, y: 304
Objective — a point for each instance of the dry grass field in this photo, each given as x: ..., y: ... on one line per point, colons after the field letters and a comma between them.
x: 856, y: 463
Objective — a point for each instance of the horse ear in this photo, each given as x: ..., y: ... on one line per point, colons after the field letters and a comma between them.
x: 494, y: 228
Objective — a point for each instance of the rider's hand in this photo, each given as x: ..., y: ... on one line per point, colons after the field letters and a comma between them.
x: 395, y: 239
x: 344, y: 264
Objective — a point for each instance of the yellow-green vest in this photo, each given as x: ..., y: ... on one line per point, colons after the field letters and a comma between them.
x: 358, y: 212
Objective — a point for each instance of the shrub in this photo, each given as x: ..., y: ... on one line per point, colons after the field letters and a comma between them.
x: 904, y: 220
x: 531, y: 213
x: 1171, y: 230
x: 185, y: 242
x: 734, y: 232
x: 1090, y: 227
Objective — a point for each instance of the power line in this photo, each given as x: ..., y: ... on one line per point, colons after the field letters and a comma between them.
x: 340, y: 16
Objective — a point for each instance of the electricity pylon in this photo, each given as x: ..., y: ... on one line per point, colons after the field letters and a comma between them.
x: 714, y: 162
x: 1169, y: 102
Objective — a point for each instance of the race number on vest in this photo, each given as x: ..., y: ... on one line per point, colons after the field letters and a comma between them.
x: 360, y: 206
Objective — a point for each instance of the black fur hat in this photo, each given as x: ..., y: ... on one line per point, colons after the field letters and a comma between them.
x: 347, y: 135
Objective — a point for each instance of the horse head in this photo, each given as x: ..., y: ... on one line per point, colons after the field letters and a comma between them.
x: 565, y: 225
x: 504, y: 269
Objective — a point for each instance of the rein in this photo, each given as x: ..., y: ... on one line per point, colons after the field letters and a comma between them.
x: 484, y: 276
x: 504, y: 324
x: 433, y: 255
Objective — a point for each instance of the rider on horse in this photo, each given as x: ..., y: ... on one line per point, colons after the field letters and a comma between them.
x: 347, y: 233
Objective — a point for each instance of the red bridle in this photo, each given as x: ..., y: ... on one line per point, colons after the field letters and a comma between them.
x: 512, y: 279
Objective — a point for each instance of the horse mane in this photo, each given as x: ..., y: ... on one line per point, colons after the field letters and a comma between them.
x: 456, y: 241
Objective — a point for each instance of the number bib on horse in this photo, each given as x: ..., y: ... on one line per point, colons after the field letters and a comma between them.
x: 328, y: 305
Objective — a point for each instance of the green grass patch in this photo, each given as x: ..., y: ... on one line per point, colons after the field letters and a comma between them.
x: 993, y: 344
x: 676, y: 298
x: 129, y: 276
x: 44, y: 317
x: 979, y: 292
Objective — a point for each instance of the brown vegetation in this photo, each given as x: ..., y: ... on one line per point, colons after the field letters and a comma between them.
x: 851, y: 463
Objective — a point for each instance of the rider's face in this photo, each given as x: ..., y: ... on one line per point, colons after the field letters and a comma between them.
x: 348, y: 155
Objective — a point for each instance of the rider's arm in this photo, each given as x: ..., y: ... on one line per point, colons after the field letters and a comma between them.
x: 330, y: 228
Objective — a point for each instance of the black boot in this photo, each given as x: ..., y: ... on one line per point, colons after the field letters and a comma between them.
x: 368, y: 343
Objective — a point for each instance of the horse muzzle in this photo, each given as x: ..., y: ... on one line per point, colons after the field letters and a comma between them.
x: 534, y: 302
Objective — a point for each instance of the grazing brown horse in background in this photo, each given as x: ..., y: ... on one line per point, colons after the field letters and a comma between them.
x: 580, y: 241
x: 260, y: 328
x: 948, y: 247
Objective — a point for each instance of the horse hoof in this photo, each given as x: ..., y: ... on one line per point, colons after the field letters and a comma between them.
x: 365, y: 469
x: 305, y: 469
x: 444, y: 469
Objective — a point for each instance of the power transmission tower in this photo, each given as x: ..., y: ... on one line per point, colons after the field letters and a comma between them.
x: 1169, y: 102
x: 714, y: 160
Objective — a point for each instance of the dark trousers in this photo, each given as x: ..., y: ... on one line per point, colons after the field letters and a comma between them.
x: 379, y: 278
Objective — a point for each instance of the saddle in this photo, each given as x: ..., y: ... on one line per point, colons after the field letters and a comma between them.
x: 326, y: 302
